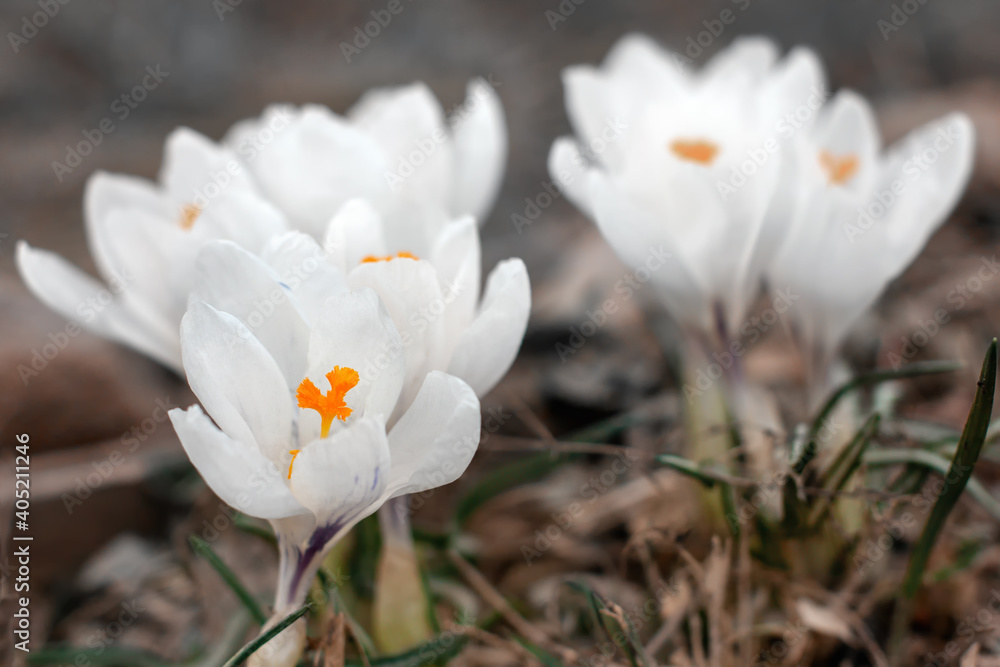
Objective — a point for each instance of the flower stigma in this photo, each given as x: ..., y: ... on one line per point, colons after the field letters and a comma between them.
x: 331, y: 405
x: 403, y: 255
x: 840, y: 168
x: 695, y: 150
x: 189, y: 214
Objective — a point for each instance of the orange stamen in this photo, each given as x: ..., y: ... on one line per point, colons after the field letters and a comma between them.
x: 189, y: 213
x: 331, y: 405
x: 840, y: 169
x: 294, y: 453
x: 403, y: 255
x: 698, y: 150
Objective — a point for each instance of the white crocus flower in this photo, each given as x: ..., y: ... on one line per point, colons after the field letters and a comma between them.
x: 683, y: 164
x: 862, y: 216
x: 300, y: 414
x: 395, y: 148
x: 144, y: 238
x: 430, y: 283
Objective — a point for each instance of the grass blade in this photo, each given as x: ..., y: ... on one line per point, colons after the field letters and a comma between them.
x: 257, y: 643
x: 843, y: 467
x: 969, y: 447
x: 866, y: 380
x: 937, y: 463
x: 614, y: 622
x: 202, y: 548
x: 108, y: 656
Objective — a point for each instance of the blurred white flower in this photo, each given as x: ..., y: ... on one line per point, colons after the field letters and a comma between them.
x: 395, y: 148
x: 299, y: 434
x: 691, y: 167
x: 144, y: 238
x: 858, y: 216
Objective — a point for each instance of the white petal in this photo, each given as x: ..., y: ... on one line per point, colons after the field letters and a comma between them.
x: 742, y: 64
x: 194, y: 167
x: 568, y: 168
x: 934, y: 188
x: 635, y: 235
x: 315, y: 163
x: 306, y: 270
x: 847, y: 127
x: 488, y: 347
x: 798, y: 82
x: 413, y: 298
x: 408, y: 124
x: 639, y: 63
x: 235, y: 471
x: 479, y: 133
x: 434, y: 441
x: 354, y: 233
x: 234, y: 281
x: 78, y: 297
x: 594, y: 105
x: 237, y: 380
x: 456, y: 257
x: 342, y: 477
x: 355, y: 331
x: 106, y: 192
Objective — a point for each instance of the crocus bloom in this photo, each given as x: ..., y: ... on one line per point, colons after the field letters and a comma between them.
x: 395, y: 148
x: 861, y: 215
x: 668, y: 161
x: 430, y: 283
x: 299, y: 434
x: 144, y: 237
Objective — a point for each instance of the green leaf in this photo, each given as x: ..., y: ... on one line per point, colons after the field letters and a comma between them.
x: 257, y: 643
x: 958, y: 475
x: 937, y: 463
x: 543, y: 656
x: 437, y: 651
x: 524, y: 471
x: 614, y: 623
x: 255, y: 527
x: 536, y: 466
x: 202, y: 548
x: 836, y: 476
x: 688, y: 467
x: 108, y: 656
x: 866, y: 380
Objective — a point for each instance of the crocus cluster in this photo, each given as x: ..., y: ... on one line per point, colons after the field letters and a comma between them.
x: 754, y: 180
x: 317, y: 278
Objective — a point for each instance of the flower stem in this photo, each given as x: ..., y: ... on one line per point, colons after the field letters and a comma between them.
x: 401, y: 612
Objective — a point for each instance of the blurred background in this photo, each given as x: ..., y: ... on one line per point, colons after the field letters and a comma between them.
x: 224, y: 60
